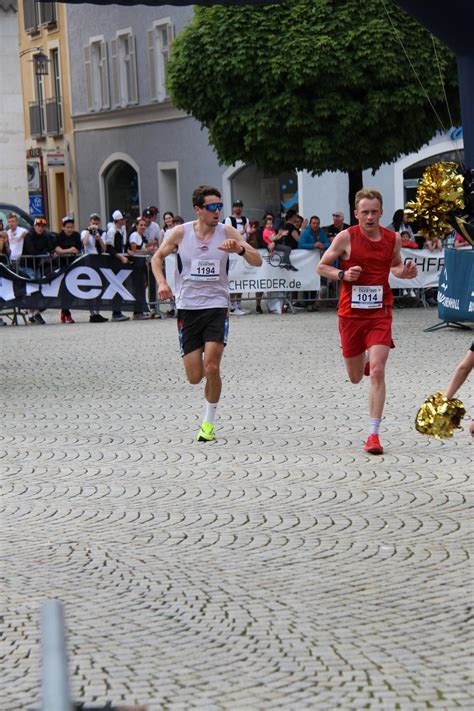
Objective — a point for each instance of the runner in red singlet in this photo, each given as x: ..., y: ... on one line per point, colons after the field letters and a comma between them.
x: 367, y: 253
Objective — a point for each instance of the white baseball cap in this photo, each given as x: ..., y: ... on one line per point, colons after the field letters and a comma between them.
x: 117, y: 215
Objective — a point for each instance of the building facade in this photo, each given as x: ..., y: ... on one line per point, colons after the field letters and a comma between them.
x: 13, y: 184
x: 49, y: 144
x: 135, y: 149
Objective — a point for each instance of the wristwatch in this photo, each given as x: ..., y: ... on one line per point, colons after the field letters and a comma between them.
x: 242, y: 252
x: 340, y: 275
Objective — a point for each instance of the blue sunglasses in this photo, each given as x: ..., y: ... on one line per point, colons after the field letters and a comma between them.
x: 214, y: 206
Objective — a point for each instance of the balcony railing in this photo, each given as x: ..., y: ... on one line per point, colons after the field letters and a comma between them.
x: 36, y: 120
x: 54, y: 123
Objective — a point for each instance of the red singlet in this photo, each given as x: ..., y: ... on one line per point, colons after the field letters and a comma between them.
x: 361, y: 328
x: 375, y: 258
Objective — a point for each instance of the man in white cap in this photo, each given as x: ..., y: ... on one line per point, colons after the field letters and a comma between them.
x: 337, y: 226
x: 241, y: 224
x: 115, y: 242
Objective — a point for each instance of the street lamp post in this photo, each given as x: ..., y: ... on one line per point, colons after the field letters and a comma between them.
x: 40, y: 66
x: 40, y: 60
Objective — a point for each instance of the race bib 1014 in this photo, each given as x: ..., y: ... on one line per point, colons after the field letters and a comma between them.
x: 366, y: 297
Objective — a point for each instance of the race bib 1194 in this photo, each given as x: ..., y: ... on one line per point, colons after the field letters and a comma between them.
x: 205, y: 269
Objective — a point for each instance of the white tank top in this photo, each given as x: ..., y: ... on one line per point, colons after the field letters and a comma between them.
x: 201, y: 278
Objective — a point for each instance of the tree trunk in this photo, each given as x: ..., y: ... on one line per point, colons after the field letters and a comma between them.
x: 355, y: 184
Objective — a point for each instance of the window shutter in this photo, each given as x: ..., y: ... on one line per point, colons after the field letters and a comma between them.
x: 152, y: 64
x: 115, y: 85
x: 29, y: 15
x: 88, y: 77
x: 104, y: 76
x: 133, y: 99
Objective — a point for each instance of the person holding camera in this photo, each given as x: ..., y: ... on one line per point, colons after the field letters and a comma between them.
x: 92, y: 237
x: 93, y: 243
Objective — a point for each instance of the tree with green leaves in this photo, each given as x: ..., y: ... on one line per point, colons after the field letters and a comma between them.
x: 315, y: 85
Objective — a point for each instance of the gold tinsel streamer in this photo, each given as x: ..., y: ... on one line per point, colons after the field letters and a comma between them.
x: 440, y: 192
x: 439, y: 417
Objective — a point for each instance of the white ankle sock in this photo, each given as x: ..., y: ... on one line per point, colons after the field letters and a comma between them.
x: 374, y: 425
x: 210, y: 415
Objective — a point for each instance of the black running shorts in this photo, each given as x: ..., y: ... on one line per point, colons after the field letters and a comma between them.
x: 197, y: 327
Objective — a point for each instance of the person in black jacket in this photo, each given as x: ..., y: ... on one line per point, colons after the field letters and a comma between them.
x: 38, y: 240
x: 68, y: 241
x: 68, y: 247
x: 37, y: 248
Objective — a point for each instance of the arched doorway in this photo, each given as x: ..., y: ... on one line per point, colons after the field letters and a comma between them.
x: 121, y: 190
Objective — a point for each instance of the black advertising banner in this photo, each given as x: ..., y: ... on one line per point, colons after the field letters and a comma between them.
x: 90, y: 282
x: 206, y: 3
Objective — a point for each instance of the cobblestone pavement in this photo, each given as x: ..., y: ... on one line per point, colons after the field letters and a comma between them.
x: 277, y: 568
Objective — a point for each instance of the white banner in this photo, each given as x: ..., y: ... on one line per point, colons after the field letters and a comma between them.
x: 429, y: 266
x: 275, y: 274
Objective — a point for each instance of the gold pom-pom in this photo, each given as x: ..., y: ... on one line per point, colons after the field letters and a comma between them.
x: 440, y: 192
x: 439, y: 417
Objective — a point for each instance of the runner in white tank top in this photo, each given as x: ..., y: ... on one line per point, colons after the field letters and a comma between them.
x: 201, y: 270
x: 202, y: 292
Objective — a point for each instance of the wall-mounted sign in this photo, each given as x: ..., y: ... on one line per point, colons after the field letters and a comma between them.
x: 55, y: 159
x: 33, y: 173
x: 36, y: 205
x: 34, y: 152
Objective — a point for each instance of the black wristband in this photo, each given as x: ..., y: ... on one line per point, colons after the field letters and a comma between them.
x: 242, y: 252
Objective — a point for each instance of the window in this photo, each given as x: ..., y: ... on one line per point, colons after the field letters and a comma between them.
x: 38, y: 13
x: 37, y: 109
x: 124, y: 69
x: 54, y: 109
x: 96, y: 70
x: 168, y: 185
x: 159, y: 45
x: 31, y: 16
x: 48, y: 13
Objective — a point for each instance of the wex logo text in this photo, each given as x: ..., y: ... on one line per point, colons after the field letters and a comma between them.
x: 81, y: 282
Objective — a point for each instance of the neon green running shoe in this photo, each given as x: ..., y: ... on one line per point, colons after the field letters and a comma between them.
x: 206, y: 433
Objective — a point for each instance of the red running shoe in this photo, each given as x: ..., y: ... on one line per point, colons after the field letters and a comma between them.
x: 63, y: 317
x: 373, y: 446
x: 367, y: 368
x: 69, y: 319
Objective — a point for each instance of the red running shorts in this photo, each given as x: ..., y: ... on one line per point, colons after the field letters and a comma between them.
x: 359, y: 334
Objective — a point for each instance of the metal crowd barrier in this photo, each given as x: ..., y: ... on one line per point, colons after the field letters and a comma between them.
x: 328, y: 295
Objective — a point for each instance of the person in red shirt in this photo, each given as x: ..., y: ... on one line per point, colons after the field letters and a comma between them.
x: 407, y: 242
x: 368, y: 253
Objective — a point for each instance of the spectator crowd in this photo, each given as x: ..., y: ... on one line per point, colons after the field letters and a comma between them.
x: 35, y: 251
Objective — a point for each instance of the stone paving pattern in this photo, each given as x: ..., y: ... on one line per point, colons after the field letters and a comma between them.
x: 277, y: 568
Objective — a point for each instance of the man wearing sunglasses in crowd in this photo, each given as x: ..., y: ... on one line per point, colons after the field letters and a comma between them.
x: 202, y: 292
